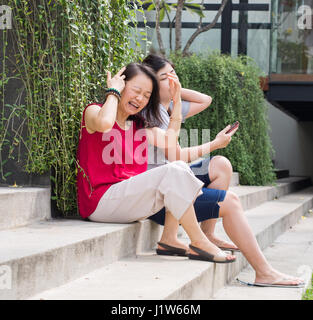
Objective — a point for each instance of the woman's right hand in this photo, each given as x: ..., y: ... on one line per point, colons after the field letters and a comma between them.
x: 175, y: 87
x: 117, y: 82
x: 222, y: 139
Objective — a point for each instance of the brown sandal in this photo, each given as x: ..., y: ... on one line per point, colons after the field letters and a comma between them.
x: 205, y: 256
x: 171, y: 251
x: 230, y: 249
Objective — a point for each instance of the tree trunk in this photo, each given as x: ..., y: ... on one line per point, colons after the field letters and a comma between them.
x: 179, y: 10
x: 204, y: 29
x: 171, y: 28
x: 157, y: 27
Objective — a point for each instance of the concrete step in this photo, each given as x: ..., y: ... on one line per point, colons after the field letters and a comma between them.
x: 20, y: 206
x: 147, y: 276
x: 291, y: 252
x: 252, y: 196
x: 46, y: 254
x: 49, y: 253
x: 234, y: 179
x: 281, y: 173
x: 34, y: 253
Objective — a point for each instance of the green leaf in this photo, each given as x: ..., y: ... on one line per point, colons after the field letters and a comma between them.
x: 162, y: 14
x: 195, y: 10
x: 151, y: 7
x: 7, y: 174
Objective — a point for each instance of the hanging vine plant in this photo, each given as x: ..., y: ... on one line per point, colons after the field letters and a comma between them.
x: 63, y: 50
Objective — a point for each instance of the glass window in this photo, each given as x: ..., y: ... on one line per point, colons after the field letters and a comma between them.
x: 259, y: 47
x: 292, y: 37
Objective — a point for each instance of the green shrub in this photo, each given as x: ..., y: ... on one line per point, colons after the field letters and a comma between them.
x: 235, y: 88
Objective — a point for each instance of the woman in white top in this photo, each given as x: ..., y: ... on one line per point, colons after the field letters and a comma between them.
x: 215, y: 197
x: 215, y: 172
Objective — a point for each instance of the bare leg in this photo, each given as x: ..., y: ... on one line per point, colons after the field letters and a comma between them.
x: 169, y: 235
x: 220, y: 172
x: 192, y: 228
x: 197, y: 237
x: 239, y: 231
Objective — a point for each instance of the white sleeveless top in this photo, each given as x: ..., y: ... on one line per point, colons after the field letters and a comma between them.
x: 156, y: 156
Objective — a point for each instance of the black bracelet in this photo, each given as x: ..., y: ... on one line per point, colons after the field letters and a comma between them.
x: 113, y: 90
x: 114, y: 94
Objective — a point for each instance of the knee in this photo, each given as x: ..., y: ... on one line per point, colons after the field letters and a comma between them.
x: 233, y: 198
x: 222, y: 164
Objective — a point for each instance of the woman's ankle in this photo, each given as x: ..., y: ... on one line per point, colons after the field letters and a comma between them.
x: 265, y: 272
x: 175, y: 242
x: 169, y: 239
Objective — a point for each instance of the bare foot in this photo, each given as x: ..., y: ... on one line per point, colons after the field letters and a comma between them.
x: 278, y: 278
x: 221, y: 243
x: 210, y: 248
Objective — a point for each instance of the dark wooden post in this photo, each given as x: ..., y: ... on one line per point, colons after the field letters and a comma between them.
x: 243, y: 29
x: 226, y: 28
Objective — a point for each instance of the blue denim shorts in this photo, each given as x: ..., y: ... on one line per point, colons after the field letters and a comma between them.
x: 206, y: 206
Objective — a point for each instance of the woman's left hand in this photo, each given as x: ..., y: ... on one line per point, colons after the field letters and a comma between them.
x: 118, y: 81
x: 175, y: 87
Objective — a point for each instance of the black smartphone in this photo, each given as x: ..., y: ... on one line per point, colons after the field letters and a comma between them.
x: 233, y: 126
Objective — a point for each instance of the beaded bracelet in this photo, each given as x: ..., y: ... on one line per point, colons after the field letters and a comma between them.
x: 114, y: 94
x: 113, y: 90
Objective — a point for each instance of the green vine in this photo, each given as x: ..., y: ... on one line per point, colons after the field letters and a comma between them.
x: 63, y: 50
x: 234, y: 86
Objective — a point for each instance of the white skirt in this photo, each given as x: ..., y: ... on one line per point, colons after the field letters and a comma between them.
x: 173, y: 186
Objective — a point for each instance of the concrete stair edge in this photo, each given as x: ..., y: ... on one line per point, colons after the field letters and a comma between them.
x: 257, y: 195
x: 21, y: 206
x: 235, y: 179
x: 130, y: 239
x: 208, y: 279
x: 37, y: 272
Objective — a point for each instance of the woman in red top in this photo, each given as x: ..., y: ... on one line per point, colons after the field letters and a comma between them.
x: 113, y: 184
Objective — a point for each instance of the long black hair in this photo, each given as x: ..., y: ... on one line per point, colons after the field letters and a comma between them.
x: 150, y: 115
x: 156, y: 62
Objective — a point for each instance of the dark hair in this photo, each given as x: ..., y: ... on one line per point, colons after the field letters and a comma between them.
x: 150, y: 115
x: 156, y: 62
